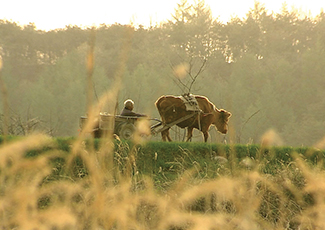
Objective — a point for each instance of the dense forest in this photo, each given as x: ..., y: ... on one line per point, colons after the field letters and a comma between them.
x: 267, y: 69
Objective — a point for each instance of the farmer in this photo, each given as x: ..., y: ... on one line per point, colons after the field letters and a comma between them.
x: 128, y: 107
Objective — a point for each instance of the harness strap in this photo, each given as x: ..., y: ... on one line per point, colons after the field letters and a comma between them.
x: 167, y: 126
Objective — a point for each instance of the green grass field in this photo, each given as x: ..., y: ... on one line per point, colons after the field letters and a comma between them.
x: 76, y: 184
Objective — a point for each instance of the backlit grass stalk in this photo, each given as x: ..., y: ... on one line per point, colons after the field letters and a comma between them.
x: 4, y: 96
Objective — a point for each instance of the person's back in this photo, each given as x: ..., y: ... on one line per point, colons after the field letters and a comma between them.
x: 127, y: 110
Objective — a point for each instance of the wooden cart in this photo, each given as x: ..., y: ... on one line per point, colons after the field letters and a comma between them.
x: 124, y: 126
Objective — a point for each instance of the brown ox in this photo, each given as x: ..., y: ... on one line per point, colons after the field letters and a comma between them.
x: 172, y: 108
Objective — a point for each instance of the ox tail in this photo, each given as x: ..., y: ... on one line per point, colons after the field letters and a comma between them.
x: 158, y: 104
x: 160, y: 107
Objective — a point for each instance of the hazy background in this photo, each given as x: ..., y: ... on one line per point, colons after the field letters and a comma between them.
x: 266, y: 68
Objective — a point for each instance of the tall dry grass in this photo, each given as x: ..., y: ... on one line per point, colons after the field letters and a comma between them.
x: 114, y: 195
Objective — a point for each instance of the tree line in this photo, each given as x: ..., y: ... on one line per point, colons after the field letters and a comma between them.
x: 267, y: 69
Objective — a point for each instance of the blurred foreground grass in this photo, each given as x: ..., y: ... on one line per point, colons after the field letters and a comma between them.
x: 104, y: 187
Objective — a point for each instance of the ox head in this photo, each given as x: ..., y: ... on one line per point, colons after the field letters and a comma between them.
x: 221, y: 120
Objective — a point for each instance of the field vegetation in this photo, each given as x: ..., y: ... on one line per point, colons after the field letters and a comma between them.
x: 76, y: 183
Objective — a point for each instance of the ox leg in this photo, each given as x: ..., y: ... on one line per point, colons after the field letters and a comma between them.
x: 168, y: 136
x: 206, y: 135
x: 165, y: 135
x: 189, y: 133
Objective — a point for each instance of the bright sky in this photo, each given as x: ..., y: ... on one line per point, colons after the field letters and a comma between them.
x: 50, y: 14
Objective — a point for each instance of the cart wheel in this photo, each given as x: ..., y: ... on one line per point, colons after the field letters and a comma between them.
x: 126, y: 131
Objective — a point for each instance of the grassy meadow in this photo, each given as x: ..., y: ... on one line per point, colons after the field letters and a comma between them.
x: 78, y: 183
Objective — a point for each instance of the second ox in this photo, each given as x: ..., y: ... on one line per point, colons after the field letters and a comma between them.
x: 173, y: 108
